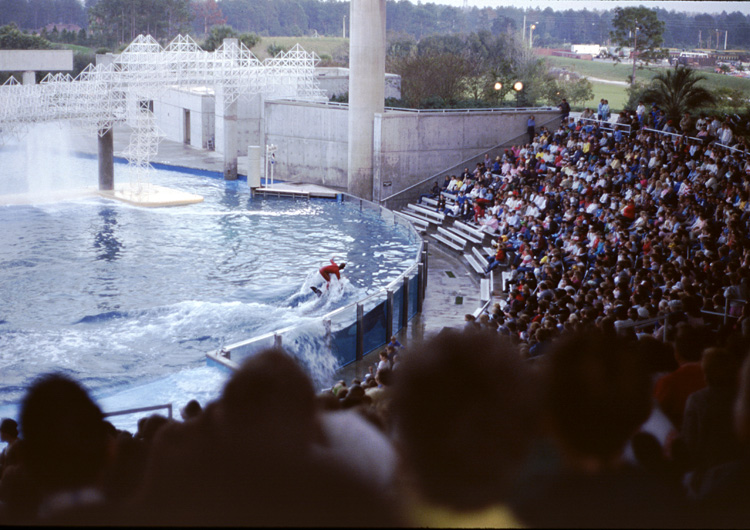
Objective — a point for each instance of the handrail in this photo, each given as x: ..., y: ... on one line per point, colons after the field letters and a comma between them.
x: 607, y: 122
x: 462, y: 163
x: 743, y: 151
x: 672, y: 134
x: 167, y: 406
x: 508, y: 110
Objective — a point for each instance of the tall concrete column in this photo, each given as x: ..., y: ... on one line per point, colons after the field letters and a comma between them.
x: 366, y: 89
x: 226, y: 126
x: 226, y: 132
x: 106, y: 161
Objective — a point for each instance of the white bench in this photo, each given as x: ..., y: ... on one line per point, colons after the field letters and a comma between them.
x: 481, y: 257
x: 464, y: 234
x: 485, y: 291
x: 448, y: 242
x: 475, y: 264
x: 419, y: 224
x: 453, y: 236
x: 426, y: 212
x: 428, y: 200
x: 470, y: 230
x: 413, y: 214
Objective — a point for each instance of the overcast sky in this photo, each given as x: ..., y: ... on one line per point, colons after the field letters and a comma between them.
x: 689, y: 7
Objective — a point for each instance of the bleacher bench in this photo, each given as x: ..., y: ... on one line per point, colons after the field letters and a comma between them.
x: 485, y: 290
x: 447, y: 242
x: 426, y: 211
x: 475, y: 264
x: 479, y: 234
x: 419, y: 224
x: 412, y: 214
x: 469, y: 236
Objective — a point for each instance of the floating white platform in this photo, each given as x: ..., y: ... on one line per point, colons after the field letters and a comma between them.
x: 150, y: 195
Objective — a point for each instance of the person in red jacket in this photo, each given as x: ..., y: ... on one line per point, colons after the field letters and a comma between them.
x: 326, y: 273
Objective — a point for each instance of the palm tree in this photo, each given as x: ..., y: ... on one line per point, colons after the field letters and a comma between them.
x: 677, y: 92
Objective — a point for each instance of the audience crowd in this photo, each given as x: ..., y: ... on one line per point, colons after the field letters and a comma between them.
x: 595, y: 394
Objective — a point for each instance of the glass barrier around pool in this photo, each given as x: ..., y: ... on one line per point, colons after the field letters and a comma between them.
x: 349, y: 333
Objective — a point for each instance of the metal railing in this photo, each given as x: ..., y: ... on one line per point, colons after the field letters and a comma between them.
x: 352, y: 331
x: 400, y: 198
x: 167, y: 406
x: 603, y: 124
x: 648, y: 129
x: 507, y: 110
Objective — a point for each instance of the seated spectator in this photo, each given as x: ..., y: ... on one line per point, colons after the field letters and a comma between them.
x: 10, y: 455
x: 673, y: 389
x: 191, y: 410
x: 707, y: 428
x: 725, y: 487
x: 597, y: 380
x: 462, y: 446
x: 250, y: 459
x: 64, y: 456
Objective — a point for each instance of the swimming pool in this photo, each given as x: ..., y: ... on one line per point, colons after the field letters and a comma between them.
x: 124, y: 298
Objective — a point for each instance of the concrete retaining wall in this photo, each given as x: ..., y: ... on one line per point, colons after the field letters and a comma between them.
x: 408, y: 146
x: 38, y: 60
x: 311, y: 140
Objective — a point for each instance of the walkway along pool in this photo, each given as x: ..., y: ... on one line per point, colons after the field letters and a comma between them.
x: 129, y: 300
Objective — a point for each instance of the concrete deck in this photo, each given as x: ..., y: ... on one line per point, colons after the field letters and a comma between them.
x: 452, y: 289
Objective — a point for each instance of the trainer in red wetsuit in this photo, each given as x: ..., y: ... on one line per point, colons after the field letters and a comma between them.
x: 326, y: 271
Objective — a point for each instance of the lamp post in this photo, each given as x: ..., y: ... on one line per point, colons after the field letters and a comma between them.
x: 518, y: 86
x: 531, y: 35
x: 498, y: 87
x: 635, y: 52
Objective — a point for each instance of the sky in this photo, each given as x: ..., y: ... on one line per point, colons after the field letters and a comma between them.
x: 559, y: 5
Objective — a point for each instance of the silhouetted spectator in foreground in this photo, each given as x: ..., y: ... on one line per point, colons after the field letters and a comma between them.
x: 65, y: 451
x: 708, y: 424
x: 672, y: 390
x: 462, y: 414
x: 191, y: 410
x: 249, y: 459
x: 726, y: 487
x: 9, y: 435
x: 597, y: 395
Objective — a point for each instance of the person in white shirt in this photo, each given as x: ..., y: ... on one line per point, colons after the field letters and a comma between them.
x: 725, y: 135
x: 640, y: 110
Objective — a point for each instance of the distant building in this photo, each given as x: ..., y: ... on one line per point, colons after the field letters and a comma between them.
x: 335, y: 82
x: 585, y: 49
x: 49, y: 28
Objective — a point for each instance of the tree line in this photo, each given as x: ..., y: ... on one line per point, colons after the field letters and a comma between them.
x: 114, y: 22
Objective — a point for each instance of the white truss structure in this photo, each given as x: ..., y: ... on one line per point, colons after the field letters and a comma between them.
x: 103, y: 95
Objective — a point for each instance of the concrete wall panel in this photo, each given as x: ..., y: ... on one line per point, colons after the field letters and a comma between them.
x: 25, y: 60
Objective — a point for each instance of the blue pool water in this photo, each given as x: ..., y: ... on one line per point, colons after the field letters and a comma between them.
x: 128, y: 300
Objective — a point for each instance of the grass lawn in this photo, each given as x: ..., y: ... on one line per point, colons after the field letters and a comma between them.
x: 617, y: 94
x: 319, y: 45
x: 77, y: 49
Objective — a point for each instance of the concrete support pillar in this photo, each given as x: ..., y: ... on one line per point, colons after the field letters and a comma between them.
x: 366, y: 90
x: 226, y: 127
x: 226, y: 117
x: 106, y: 161
x: 29, y: 78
